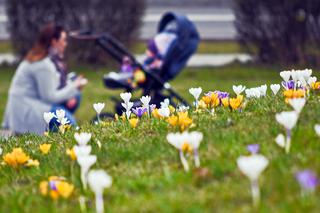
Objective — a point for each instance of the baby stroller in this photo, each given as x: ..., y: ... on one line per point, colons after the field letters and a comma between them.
x: 155, y: 83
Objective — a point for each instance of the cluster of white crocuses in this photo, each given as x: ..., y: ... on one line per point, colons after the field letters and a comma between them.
x: 301, y: 78
x: 187, y: 143
x: 59, y: 114
x: 97, y: 179
x: 256, y: 92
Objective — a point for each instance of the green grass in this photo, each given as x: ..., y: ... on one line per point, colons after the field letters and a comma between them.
x: 147, y: 174
x: 139, y: 47
x: 5, y: 47
x: 205, y: 47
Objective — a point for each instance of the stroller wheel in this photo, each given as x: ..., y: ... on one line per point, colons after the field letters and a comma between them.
x: 103, y: 116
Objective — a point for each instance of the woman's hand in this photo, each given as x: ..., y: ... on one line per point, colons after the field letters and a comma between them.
x: 80, y: 82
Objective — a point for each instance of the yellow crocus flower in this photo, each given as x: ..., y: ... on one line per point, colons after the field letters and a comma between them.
x: 133, y: 122
x: 45, y: 148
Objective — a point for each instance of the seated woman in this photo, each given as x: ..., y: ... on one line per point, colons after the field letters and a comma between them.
x: 40, y: 85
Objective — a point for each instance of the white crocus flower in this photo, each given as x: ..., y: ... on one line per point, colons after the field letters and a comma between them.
x: 195, y: 140
x: 99, y: 180
x: 182, y: 108
x: 126, y: 96
x: 280, y: 140
x: 127, y: 106
x: 1, y: 150
x: 294, y: 75
x: 238, y: 89
x: 60, y: 114
x: 252, y: 166
x: 82, y: 138
x: 47, y: 116
x: 186, y: 142
x: 285, y: 75
x: 297, y: 104
x: 145, y: 100
x: 317, y: 129
x: 128, y: 113
x: 302, y: 81
x: 98, y: 107
x: 82, y: 150
x: 85, y: 162
x: 164, y: 111
x: 275, y: 88
x: 288, y: 120
x: 312, y: 80
x: 307, y: 74
x: 165, y: 103
x: 63, y: 121
x: 253, y: 92
x: 263, y: 90
x: 195, y: 92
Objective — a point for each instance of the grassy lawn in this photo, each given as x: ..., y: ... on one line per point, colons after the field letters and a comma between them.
x: 205, y: 47
x: 147, y: 173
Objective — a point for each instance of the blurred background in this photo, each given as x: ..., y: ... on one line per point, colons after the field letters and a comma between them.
x: 282, y: 32
x: 242, y: 41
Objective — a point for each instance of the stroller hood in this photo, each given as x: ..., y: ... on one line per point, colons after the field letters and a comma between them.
x: 182, y: 47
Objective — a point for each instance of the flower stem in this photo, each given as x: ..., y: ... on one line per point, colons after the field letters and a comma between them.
x: 184, y: 161
x: 196, y: 158
x: 83, y: 180
x: 82, y: 203
x: 288, y: 141
x: 255, y: 192
x: 98, y: 116
x: 99, y: 203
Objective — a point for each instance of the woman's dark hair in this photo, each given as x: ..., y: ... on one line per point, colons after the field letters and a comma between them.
x: 42, y: 45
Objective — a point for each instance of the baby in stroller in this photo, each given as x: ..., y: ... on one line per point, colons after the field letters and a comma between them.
x: 157, y: 49
x: 155, y: 53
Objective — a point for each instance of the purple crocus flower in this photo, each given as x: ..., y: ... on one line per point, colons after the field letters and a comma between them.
x: 221, y: 95
x: 152, y: 107
x: 52, y: 185
x: 253, y: 148
x: 208, y: 94
x: 139, y: 111
x: 307, y: 180
x: 288, y: 84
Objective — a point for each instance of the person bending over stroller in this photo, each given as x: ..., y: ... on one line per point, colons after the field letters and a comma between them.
x: 41, y: 84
